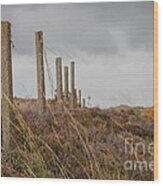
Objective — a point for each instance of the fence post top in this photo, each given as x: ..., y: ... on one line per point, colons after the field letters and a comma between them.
x: 58, y: 58
x: 5, y: 22
x: 39, y: 32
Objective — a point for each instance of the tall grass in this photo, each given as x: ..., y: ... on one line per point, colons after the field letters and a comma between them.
x: 83, y: 143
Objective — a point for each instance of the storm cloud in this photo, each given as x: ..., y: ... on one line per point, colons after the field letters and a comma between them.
x: 111, y: 43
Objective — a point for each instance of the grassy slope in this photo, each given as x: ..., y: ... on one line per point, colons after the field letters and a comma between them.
x: 85, y: 143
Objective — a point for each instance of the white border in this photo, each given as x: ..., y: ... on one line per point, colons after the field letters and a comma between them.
x: 42, y: 182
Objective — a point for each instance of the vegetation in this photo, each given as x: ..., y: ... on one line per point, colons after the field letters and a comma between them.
x: 83, y: 143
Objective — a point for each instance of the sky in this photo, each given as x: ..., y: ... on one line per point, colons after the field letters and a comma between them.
x: 111, y: 44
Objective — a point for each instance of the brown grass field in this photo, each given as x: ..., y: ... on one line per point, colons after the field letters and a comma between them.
x: 86, y: 143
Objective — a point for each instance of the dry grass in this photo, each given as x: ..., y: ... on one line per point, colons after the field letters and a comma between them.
x: 84, y: 143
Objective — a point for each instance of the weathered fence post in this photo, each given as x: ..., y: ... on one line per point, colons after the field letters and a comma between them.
x: 59, y: 83
x: 73, y: 104
x: 6, y: 80
x: 83, y: 102
x: 66, y: 83
x: 59, y: 78
x: 75, y: 97
x: 79, y: 98
x: 40, y: 72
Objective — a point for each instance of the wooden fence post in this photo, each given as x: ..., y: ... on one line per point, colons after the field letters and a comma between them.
x: 79, y: 98
x: 83, y: 102
x: 40, y: 72
x: 59, y: 78
x: 73, y: 104
x: 66, y: 83
x: 6, y: 80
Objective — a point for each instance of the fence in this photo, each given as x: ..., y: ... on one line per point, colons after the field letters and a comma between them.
x: 69, y: 98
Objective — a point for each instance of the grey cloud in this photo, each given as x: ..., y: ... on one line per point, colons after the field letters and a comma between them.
x: 91, y: 27
x: 112, y: 44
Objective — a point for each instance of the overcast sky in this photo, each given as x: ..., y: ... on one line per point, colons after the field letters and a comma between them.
x: 111, y: 43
